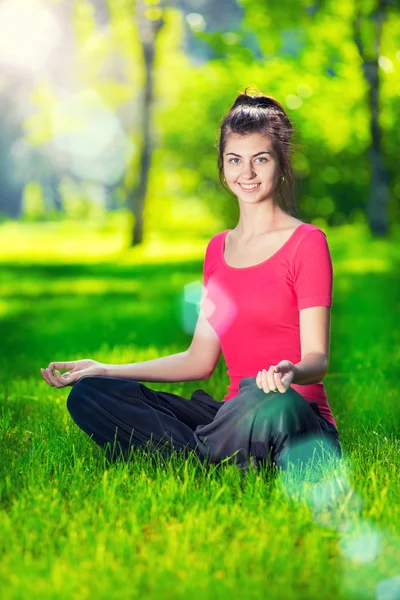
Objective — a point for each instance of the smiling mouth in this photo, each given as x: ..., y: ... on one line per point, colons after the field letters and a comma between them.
x: 249, y: 187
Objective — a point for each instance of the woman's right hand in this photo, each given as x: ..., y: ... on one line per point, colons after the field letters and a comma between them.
x: 77, y: 370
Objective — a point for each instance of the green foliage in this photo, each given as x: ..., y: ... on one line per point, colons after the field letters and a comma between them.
x: 309, y: 61
x: 33, y: 202
x: 72, y: 525
x: 331, y: 113
x: 81, y: 201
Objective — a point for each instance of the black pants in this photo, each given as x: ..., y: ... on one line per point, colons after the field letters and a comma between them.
x: 271, y: 428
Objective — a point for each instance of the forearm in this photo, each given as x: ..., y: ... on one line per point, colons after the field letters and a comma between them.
x: 175, y: 367
x: 311, y: 369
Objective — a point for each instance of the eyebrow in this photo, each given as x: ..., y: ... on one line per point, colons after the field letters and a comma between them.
x: 258, y: 153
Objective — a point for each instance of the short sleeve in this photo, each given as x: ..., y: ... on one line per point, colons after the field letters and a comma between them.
x: 313, y: 271
x: 205, y: 275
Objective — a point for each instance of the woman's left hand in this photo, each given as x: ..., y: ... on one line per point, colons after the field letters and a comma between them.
x: 278, y: 377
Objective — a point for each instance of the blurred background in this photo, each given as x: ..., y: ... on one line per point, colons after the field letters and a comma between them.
x: 113, y: 106
x: 109, y: 193
x: 109, y: 119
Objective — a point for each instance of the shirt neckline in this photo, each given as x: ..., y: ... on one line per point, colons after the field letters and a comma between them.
x: 225, y: 233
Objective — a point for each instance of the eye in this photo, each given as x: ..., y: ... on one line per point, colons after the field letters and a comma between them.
x: 258, y: 158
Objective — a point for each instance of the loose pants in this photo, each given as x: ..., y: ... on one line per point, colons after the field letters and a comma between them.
x: 252, y: 427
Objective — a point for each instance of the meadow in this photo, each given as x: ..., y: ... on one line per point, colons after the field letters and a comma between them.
x: 72, y: 526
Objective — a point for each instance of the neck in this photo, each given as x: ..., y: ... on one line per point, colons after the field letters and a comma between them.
x: 248, y: 229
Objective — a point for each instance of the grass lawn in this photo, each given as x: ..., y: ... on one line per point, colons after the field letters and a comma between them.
x: 73, y: 526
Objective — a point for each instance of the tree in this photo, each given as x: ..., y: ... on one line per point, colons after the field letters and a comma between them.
x: 149, y: 23
x: 363, y: 21
x: 369, y: 49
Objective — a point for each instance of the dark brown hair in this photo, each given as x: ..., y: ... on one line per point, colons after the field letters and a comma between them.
x: 263, y: 114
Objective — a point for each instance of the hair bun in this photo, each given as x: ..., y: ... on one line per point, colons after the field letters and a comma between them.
x: 258, y: 99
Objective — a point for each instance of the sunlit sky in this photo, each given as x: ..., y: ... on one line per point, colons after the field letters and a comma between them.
x: 28, y: 34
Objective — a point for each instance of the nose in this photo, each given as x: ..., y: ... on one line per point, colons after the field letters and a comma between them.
x: 247, y: 170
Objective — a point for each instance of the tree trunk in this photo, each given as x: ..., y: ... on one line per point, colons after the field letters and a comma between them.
x: 148, y: 31
x: 11, y: 118
x: 378, y: 198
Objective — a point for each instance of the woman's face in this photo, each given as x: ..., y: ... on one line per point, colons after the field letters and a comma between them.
x: 250, y: 166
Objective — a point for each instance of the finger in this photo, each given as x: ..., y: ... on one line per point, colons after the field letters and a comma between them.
x: 51, y: 377
x: 56, y: 376
x: 69, y: 378
x: 264, y: 381
x: 46, y: 377
x: 278, y: 381
x: 72, y: 379
x: 60, y: 379
x: 285, y: 384
x: 271, y: 380
x: 275, y: 377
x: 61, y: 365
x: 258, y: 379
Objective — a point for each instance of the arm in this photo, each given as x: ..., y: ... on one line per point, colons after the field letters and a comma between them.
x: 176, y: 367
x: 314, y: 340
x: 311, y: 369
x: 195, y: 364
x: 313, y: 280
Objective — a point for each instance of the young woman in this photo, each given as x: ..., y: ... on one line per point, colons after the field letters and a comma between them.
x: 265, y: 305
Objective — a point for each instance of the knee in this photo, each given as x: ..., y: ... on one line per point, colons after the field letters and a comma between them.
x: 248, y: 382
x: 249, y: 389
x: 286, y: 406
x: 78, y: 394
x: 285, y: 409
x: 250, y: 392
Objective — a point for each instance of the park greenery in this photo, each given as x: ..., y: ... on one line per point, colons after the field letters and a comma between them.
x: 99, y: 128
x: 74, y: 526
x: 74, y: 286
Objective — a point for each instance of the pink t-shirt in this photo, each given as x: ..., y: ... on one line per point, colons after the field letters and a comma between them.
x: 255, y: 310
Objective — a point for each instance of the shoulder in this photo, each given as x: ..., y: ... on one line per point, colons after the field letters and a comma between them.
x: 214, y: 242
x: 310, y: 249
x: 302, y: 229
x: 213, y: 248
x: 310, y: 234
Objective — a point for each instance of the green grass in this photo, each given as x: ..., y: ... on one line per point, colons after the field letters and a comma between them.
x: 74, y: 526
